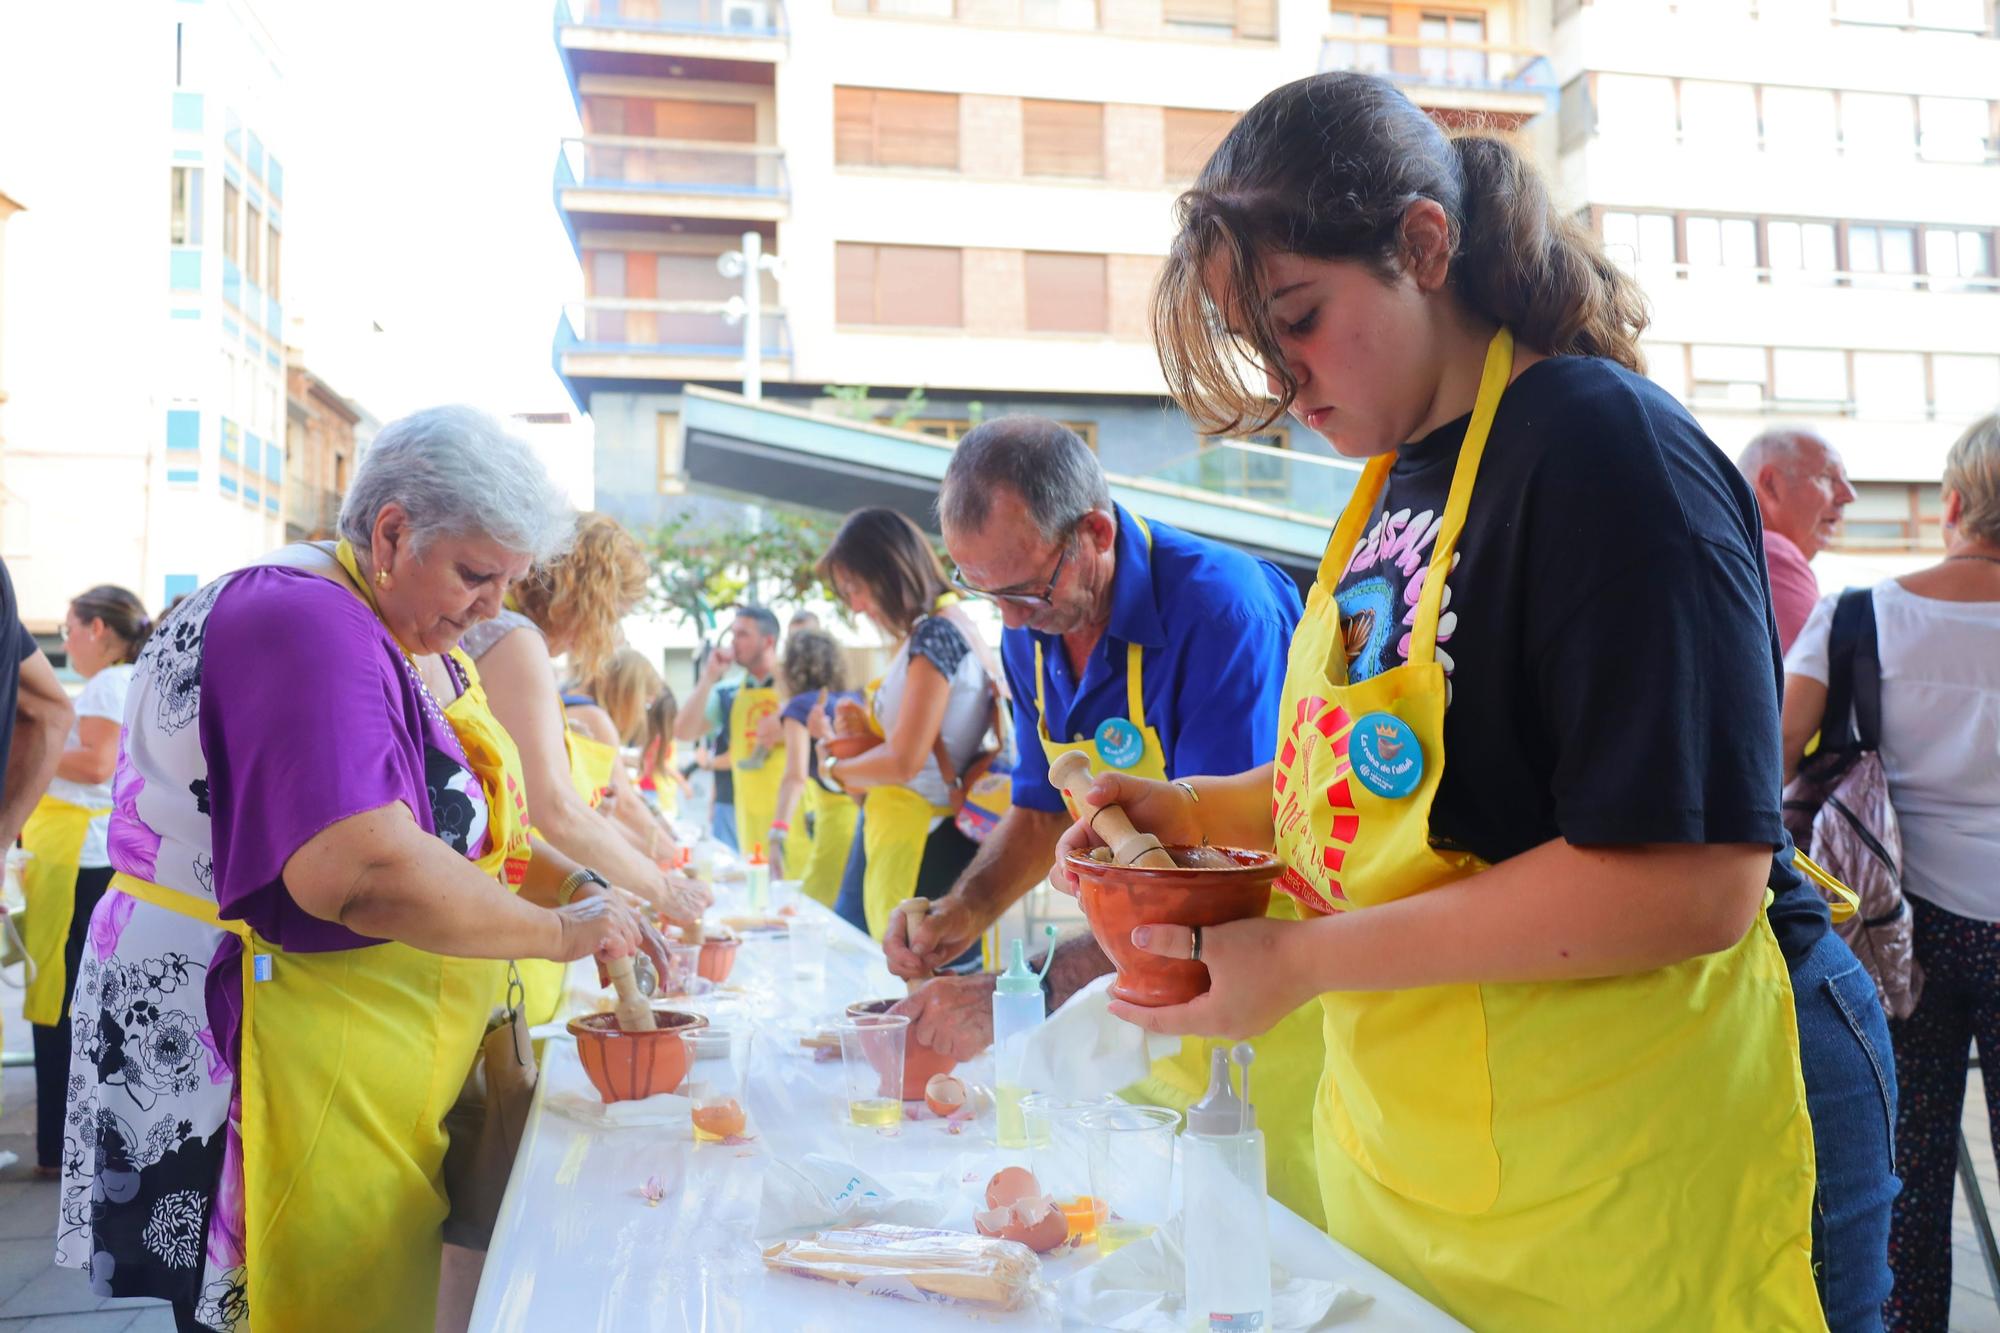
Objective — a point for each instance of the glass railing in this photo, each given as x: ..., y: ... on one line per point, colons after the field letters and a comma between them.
x: 1432, y: 63
x: 1309, y: 485
x: 740, y: 18
x: 606, y: 162
x: 671, y: 328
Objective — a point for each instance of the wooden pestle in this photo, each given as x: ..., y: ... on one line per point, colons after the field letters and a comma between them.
x: 635, y: 1011
x: 1071, y: 774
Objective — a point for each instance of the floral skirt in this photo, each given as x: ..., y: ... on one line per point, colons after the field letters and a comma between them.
x: 152, y: 1172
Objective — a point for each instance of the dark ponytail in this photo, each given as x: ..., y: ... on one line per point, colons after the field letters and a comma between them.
x: 1326, y: 167
x: 122, y: 613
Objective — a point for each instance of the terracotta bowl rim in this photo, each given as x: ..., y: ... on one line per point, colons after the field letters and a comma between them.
x: 594, y: 1024
x: 1263, y: 861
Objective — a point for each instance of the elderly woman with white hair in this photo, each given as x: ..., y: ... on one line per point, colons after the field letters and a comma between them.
x: 323, y: 858
x: 1937, y: 636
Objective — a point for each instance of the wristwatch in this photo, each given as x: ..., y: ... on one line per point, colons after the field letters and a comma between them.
x: 577, y: 879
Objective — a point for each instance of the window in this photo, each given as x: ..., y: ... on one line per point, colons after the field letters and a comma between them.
x: 1891, y: 251
x: 1222, y: 18
x: 1636, y: 240
x: 1890, y: 384
x: 1881, y: 514
x: 915, y: 286
x: 1190, y: 137
x: 253, y: 245
x: 1964, y: 387
x: 1878, y: 124
x: 1365, y: 56
x: 1803, y: 252
x: 230, y: 220
x: 1062, y: 139
x: 1722, y: 115
x: 1951, y: 253
x: 184, y: 225
x: 1077, y: 14
x: 1443, y: 57
x: 1722, y: 246
x: 271, y: 263
x: 1666, y: 366
x: 1810, y: 375
x: 1953, y: 129
x: 880, y: 127
x: 1635, y: 107
x: 1800, y: 120
x: 1731, y: 375
x: 954, y: 428
x: 1067, y: 293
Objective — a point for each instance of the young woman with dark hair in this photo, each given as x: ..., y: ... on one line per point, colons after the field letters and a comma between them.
x: 1527, y: 789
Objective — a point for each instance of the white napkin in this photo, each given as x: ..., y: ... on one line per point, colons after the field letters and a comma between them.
x: 1142, y: 1287
x: 821, y: 1191
x: 1082, y: 1051
x: 666, y: 1108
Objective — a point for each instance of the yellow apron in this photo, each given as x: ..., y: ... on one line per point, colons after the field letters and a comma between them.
x: 895, y: 825
x: 757, y: 788
x: 54, y: 833
x: 542, y: 981
x: 833, y: 816
x: 335, y: 1145
x: 1288, y: 1056
x: 591, y: 762
x: 1630, y: 1153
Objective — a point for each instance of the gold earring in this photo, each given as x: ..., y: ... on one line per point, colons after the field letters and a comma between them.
x: 382, y: 578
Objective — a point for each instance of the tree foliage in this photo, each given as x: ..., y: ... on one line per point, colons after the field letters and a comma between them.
x: 702, y: 565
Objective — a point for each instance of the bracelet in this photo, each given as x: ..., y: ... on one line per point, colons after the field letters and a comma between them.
x: 1188, y: 787
x: 575, y: 880
x: 780, y: 826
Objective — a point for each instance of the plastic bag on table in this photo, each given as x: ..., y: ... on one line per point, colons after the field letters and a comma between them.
x: 821, y: 1191
x: 916, y: 1264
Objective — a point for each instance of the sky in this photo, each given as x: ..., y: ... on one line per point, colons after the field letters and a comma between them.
x: 421, y: 140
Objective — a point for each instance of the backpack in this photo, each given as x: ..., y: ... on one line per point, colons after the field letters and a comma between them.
x: 982, y: 795
x: 1838, y: 810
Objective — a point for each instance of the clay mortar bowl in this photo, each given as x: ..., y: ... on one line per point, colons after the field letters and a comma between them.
x: 718, y: 956
x: 631, y: 1066
x: 920, y: 1063
x: 847, y: 747
x: 1117, y: 898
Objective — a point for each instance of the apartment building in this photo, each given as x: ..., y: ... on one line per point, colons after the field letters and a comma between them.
x: 967, y: 197
x: 1809, y: 191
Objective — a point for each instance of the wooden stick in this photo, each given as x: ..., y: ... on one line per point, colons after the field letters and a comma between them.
x: 635, y: 1011
x: 1129, y: 847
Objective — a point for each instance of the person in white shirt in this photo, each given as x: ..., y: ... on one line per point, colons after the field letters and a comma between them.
x: 70, y: 864
x: 1938, y: 631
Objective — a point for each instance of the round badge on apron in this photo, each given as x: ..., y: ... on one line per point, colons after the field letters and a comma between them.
x: 1386, y: 755
x: 1120, y: 743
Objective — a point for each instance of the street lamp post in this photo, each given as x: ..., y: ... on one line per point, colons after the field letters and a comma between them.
x: 750, y: 264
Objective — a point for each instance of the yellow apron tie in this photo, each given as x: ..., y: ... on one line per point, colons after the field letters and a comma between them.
x: 54, y: 833
x: 1629, y: 1152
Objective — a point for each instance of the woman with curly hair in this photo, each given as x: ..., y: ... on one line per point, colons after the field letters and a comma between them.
x: 570, y: 607
x: 814, y: 676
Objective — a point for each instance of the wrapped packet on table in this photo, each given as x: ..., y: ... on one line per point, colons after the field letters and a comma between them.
x: 915, y: 1264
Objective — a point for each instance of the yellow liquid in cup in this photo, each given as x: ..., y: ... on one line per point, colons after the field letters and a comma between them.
x: 1081, y: 1213
x: 875, y: 1112
x: 1115, y: 1236
x: 1010, y: 1128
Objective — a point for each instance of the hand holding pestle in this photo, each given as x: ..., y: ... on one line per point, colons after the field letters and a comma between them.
x: 635, y: 1011
x: 1071, y: 774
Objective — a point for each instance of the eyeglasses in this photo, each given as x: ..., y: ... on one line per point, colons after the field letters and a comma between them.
x: 1028, y: 599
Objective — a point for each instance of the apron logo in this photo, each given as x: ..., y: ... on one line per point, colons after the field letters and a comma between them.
x: 1386, y: 756
x: 1119, y: 743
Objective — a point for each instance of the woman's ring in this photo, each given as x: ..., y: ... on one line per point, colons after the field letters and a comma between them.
x: 1194, y: 950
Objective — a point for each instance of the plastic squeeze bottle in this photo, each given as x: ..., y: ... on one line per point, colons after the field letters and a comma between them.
x: 1018, y: 1009
x: 1225, y: 1231
x: 758, y: 873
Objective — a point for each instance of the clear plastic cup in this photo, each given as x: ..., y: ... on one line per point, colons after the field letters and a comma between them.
x: 683, y: 971
x: 871, y: 1060
x: 1131, y: 1171
x: 808, y: 945
x: 784, y: 893
x: 1059, y: 1151
x: 717, y: 1081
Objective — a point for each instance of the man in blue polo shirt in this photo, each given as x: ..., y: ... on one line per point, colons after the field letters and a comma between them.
x: 1152, y: 651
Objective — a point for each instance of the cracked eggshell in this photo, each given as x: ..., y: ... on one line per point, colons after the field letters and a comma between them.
x: 945, y: 1095
x: 1032, y: 1218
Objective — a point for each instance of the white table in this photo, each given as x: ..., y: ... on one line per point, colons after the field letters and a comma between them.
x: 578, y: 1248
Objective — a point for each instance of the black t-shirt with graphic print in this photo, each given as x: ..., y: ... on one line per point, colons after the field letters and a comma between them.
x: 1607, y: 629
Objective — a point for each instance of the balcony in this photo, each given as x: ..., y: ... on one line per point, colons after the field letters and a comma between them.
x: 1311, y: 487
x: 609, y: 339
x: 666, y: 178
x: 1475, y: 82
x: 312, y: 513
x: 597, y: 35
